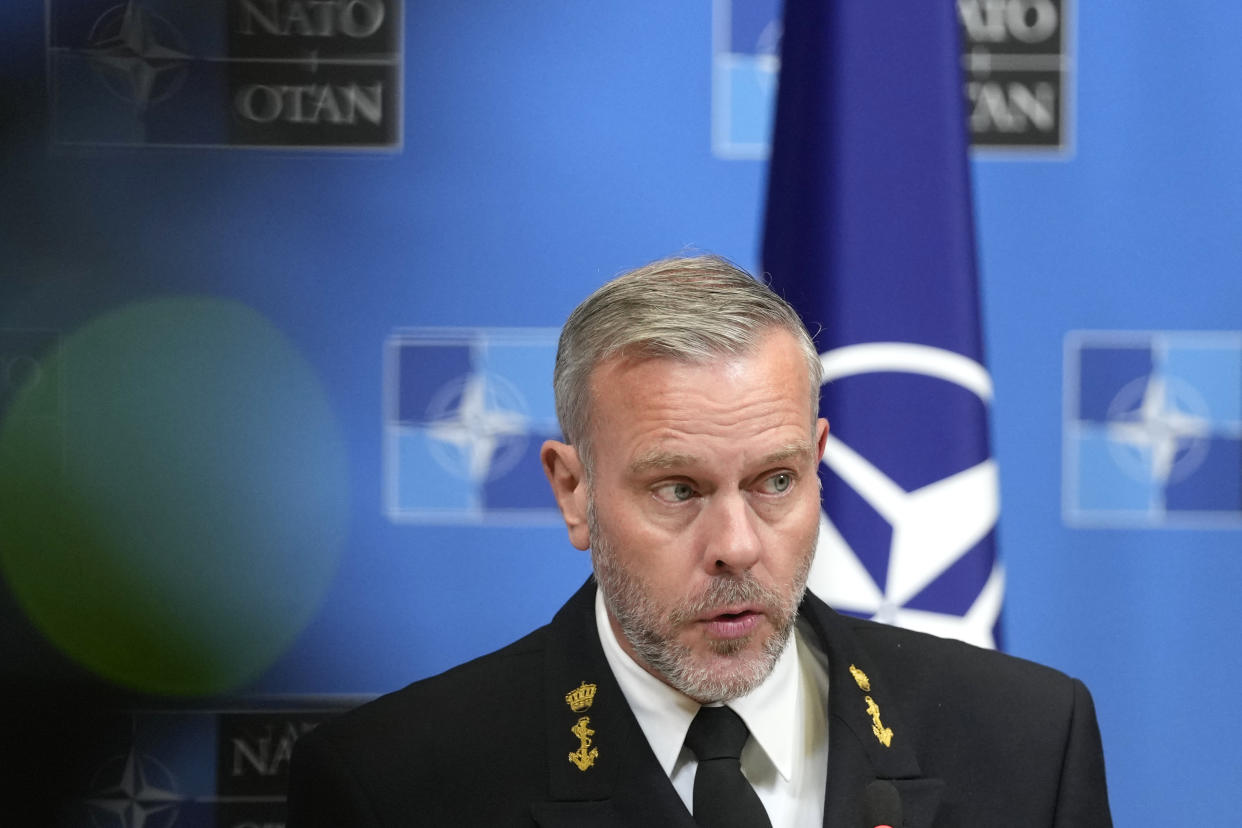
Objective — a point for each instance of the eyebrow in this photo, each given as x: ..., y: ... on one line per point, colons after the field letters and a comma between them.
x: 800, y: 450
x: 657, y: 459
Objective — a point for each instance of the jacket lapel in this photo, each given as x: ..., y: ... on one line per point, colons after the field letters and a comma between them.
x: 866, y: 737
x: 602, y: 771
x: 614, y: 779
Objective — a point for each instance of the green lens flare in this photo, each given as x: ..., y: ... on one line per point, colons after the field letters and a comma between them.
x: 173, y: 495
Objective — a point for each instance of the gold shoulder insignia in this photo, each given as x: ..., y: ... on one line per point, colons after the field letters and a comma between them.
x: 582, y: 757
x: 581, y: 698
x: 864, y: 684
x: 884, y: 734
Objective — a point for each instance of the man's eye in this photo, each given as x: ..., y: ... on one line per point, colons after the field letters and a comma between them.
x: 675, y: 492
x: 778, y: 483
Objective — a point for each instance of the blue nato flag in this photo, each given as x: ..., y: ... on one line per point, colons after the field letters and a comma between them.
x: 869, y: 233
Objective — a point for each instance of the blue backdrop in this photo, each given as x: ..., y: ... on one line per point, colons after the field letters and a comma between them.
x: 236, y: 472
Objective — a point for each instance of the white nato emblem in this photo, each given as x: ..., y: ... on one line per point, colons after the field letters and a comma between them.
x: 128, y: 47
x: 1152, y: 429
x: 465, y: 411
x: 932, y: 527
x: 135, y: 790
x: 478, y: 426
x: 1161, y: 418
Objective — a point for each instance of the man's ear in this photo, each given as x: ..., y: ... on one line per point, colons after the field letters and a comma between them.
x: 821, y: 439
x: 563, y: 467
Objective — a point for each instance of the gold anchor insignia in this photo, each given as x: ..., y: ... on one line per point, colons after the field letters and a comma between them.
x: 884, y: 734
x: 581, y: 698
x: 581, y: 757
x: 864, y: 684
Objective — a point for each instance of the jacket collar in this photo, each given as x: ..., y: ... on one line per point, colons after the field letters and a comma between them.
x: 867, y: 739
x: 614, y: 778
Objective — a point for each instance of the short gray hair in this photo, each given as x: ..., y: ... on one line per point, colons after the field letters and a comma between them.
x: 691, y: 309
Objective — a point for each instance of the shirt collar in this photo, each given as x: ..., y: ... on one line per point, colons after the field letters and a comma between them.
x: 770, y: 711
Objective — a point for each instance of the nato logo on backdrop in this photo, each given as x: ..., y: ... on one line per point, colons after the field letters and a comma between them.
x: 1153, y: 429
x: 1016, y: 56
x: 465, y: 413
x: 191, y: 768
x: 225, y: 73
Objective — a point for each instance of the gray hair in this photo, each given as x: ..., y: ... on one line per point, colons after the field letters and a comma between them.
x: 690, y: 309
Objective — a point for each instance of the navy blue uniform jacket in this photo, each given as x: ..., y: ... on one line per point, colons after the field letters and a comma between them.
x: 978, y: 738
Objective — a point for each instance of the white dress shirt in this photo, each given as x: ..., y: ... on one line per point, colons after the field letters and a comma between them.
x: 786, y: 758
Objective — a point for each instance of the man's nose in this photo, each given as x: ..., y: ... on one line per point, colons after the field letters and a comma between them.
x: 732, y: 542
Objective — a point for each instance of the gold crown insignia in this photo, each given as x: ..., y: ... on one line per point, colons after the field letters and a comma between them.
x: 581, y: 698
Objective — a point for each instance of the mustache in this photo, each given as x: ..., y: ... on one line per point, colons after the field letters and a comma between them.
x: 729, y: 590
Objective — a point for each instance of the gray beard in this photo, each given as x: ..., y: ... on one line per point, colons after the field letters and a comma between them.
x: 652, y: 632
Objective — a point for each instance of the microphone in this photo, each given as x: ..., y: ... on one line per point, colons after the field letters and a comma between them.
x: 881, y: 805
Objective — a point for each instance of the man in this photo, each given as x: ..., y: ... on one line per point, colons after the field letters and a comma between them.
x: 688, y: 394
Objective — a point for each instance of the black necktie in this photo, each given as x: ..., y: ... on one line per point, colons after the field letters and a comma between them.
x: 722, y: 796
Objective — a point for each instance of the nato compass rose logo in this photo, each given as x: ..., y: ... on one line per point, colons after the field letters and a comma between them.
x: 466, y: 411
x: 1158, y: 428
x: 1153, y: 429
x: 926, y: 535
x: 478, y: 426
x: 132, y: 48
x: 134, y: 791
